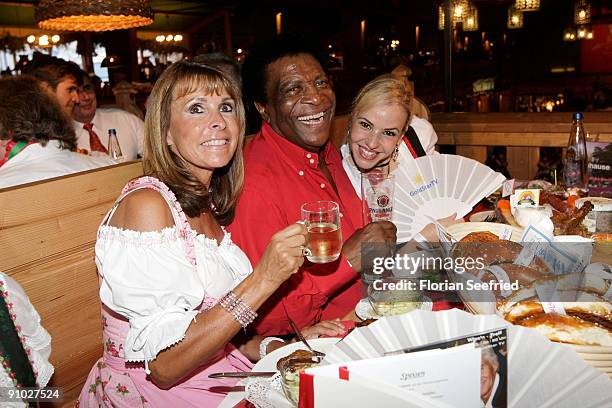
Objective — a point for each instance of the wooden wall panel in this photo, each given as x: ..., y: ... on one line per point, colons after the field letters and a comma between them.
x: 47, y: 237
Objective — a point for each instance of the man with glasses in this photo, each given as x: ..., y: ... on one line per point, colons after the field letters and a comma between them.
x: 91, y: 124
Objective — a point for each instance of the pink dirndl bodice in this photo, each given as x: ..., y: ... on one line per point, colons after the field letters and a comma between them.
x: 113, y: 382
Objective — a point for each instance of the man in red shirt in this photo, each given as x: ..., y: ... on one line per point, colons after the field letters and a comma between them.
x: 288, y: 163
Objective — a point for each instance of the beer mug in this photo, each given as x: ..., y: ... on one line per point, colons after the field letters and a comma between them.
x: 322, y: 220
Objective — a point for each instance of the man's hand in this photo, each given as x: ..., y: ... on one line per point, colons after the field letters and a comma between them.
x: 380, y: 232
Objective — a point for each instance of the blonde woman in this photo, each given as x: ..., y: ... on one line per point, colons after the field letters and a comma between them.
x: 174, y: 288
x: 376, y: 136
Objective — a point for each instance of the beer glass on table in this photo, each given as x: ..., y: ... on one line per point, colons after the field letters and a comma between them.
x: 322, y: 219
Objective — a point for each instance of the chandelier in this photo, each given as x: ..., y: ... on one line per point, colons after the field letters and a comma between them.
x: 515, y: 18
x: 43, y: 41
x: 93, y: 15
x: 582, y: 12
x: 460, y: 11
x: 470, y: 21
x: 527, y: 5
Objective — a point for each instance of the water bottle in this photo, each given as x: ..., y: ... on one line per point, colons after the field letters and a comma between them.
x: 575, y: 171
x: 114, y: 150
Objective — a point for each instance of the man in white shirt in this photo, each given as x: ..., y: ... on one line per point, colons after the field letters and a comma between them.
x: 427, y: 137
x: 91, y: 125
x: 36, y: 138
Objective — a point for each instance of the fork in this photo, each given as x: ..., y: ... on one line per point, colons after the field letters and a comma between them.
x: 301, y: 337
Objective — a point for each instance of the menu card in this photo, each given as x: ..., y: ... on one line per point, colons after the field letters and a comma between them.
x: 493, y: 344
x: 441, y: 377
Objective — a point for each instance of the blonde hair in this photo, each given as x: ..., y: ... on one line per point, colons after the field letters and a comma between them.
x: 383, y: 90
x: 178, y: 80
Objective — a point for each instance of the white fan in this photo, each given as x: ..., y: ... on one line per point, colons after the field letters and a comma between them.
x: 438, y: 186
x: 540, y: 373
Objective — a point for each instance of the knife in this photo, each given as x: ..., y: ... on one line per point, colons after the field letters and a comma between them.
x: 242, y: 374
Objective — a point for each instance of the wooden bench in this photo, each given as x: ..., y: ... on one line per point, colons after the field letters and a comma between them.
x: 47, y: 236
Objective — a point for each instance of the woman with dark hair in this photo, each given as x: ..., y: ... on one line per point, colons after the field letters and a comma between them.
x: 174, y: 288
x: 36, y: 138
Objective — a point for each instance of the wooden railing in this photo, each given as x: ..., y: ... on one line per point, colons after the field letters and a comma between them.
x: 47, y: 236
x: 522, y: 133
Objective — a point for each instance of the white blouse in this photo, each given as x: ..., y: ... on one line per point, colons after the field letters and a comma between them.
x: 146, y: 277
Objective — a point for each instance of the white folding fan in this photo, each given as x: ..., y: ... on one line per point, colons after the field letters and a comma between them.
x: 438, y: 186
x: 540, y: 373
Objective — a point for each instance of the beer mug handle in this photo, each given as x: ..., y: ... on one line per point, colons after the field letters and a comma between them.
x: 305, y: 250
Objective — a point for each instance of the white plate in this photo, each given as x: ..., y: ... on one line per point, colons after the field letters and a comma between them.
x: 364, y: 309
x: 268, y: 363
x: 481, y: 216
x: 461, y: 229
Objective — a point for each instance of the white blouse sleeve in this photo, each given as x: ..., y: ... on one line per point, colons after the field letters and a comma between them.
x: 147, y: 279
x: 36, y: 338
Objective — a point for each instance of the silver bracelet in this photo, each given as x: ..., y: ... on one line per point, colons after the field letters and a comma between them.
x: 263, y: 346
x: 242, y: 312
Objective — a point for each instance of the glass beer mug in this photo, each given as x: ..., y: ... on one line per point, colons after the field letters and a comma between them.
x: 322, y: 219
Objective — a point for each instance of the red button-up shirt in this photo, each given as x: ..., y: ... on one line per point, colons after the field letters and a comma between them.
x: 279, y: 177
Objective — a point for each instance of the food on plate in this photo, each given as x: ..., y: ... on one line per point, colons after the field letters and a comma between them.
x: 480, y: 236
x: 569, y: 329
x: 492, y: 251
x: 290, y: 368
x: 504, y: 214
x: 566, y: 218
x: 586, y: 320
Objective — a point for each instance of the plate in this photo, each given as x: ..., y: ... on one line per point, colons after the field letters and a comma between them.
x: 364, y: 309
x: 461, y: 229
x: 481, y: 216
x: 268, y: 363
x: 276, y: 398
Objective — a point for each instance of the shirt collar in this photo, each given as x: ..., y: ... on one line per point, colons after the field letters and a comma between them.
x: 296, y: 155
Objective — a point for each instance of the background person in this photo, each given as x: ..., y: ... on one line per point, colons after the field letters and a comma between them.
x: 420, y: 133
x: 174, y: 288
x: 36, y: 138
x: 91, y: 124
x: 288, y: 163
x: 60, y: 78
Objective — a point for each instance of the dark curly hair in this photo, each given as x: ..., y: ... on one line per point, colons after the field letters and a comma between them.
x: 254, y: 78
x: 27, y: 113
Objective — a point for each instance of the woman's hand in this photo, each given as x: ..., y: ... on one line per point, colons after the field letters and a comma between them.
x: 331, y: 328
x: 429, y: 232
x: 283, y: 255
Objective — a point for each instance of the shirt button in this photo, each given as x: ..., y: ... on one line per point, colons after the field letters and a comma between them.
x: 308, y: 156
x: 341, y: 215
x: 311, y: 161
x: 301, y: 173
x: 322, y: 185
